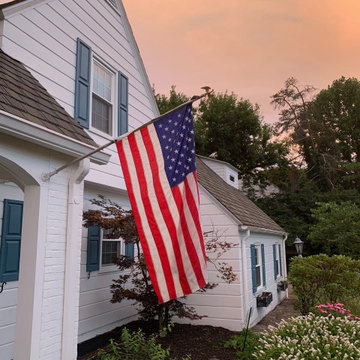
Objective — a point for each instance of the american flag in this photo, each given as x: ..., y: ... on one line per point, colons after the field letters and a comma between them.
x: 158, y: 163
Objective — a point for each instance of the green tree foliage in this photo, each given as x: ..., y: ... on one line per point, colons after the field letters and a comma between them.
x: 232, y: 131
x: 320, y: 279
x: 166, y: 104
x: 324, y: 129
x: 336, y: 229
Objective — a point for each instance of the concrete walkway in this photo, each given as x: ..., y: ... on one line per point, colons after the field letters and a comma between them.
x: 283, y: 311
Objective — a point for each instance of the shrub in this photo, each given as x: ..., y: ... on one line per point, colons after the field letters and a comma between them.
x: 311, y: 337
x: 321, y: 279
x: 236, y: 342
x: 134, y: 345
x: 337, y: 309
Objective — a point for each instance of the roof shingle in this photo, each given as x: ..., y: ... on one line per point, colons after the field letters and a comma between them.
x: 233, y: 199
x: 23, y: 96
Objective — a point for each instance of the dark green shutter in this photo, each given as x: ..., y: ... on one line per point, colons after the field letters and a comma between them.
x: 280, y: 259
x: 11, y: 240
x: 82, y: 84
x: 253, y: 268
x: 93, y: 248
x: 263, y: 264
x: 275, y: 267
x: 123, y: 85
x: 129, y: 250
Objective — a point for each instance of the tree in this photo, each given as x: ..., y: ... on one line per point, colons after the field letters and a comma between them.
x: 336, y: 229
x: 166, y: 104
x: 324, y: 129
x: 134, y: 281
x: 231, y: 130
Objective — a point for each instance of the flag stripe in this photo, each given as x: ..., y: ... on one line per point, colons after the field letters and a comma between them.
x: 157, y: 208
x: 189, y: 234
x: 161, y: 186
x: 154, y: 229
x: 147, y: 242
x: 192, y: 200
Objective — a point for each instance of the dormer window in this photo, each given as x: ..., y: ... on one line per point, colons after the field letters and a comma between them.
x: 102, y: 99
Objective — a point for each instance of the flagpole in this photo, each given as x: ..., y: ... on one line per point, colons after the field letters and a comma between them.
x: 47, y: 176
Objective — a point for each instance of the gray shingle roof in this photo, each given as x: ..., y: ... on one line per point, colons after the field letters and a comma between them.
x: 22, y: 95
x: 233, y: 200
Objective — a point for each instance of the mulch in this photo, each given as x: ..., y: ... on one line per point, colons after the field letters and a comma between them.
x: 200, y: 341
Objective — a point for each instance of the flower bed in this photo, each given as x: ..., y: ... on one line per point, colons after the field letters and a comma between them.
x: 312, y: 337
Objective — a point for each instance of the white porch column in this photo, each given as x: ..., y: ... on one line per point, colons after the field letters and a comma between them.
x: 29, y: 306
x: 72, y: 262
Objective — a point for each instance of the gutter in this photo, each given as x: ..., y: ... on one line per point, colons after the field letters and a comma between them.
x: 36, y: 134
x: 244, y: 270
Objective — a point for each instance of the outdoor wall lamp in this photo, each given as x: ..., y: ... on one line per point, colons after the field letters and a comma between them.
x: 299, y: 246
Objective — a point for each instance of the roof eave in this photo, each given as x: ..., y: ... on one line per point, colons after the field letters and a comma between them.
x: 26, y: 130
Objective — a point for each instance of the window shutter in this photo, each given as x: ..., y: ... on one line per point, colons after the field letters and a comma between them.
x: 82, y: 84
x: 123, y: 85
x: 280, y: 260
x: 129, y: 250
x: 93, y: 248
x: 11, y: 240
x: 263, y: 264
x: 253, y: 268
x: 275, y: 267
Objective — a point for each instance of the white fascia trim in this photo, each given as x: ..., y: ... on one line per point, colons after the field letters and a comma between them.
x: 26, y: 130
x: 263, y: 230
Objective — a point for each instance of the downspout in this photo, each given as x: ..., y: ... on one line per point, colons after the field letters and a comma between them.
x: 72, y: 261
x: 244, y: 271
x: 283, y: 254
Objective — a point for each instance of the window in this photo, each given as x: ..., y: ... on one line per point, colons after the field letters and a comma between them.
x: 258, y: 266
x: 102, y: 99
x: 277, y: 264
x: 232, y: 179
x: 110, y: 248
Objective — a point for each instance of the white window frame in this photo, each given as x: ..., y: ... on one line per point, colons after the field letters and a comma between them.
x: 277, y: 259
x: 96, y: 61
x: 110, y: 267
x: 258, y: 265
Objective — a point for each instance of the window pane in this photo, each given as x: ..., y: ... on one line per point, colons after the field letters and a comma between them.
x: 258, y: 276
x: 101, y: 115
x: 102, y: 82
x: 110, y: 250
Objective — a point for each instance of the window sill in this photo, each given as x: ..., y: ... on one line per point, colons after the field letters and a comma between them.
x: 100, y: 133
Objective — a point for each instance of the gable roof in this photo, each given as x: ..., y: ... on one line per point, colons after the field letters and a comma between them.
x: 23, y: 96
x: 234, y: 200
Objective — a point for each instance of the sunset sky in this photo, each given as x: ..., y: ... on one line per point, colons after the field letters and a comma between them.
x: 249, y: 47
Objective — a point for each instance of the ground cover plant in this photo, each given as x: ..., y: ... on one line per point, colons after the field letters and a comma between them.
x: 311, y: 337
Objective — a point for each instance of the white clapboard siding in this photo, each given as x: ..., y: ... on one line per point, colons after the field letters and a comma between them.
x: 221, y: 305
x: 43, y: 37
x: 96, y: 314
x: 271, y: 284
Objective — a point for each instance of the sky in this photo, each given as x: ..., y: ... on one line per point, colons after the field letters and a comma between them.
x: 249, y: 47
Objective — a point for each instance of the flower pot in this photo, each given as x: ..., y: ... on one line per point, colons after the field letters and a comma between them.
x: 264, y: 299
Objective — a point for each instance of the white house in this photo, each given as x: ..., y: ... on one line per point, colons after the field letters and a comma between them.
x: 71, y: 78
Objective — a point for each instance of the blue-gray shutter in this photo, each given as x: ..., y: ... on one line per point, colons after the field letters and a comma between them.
x: 93, y: 248
x: 275, y: 267
x: 123, y: 85
x: 11, y: 240
x: 263, y: 264
x: 129, y: 250
x: 82, y: 84
x: 253, y: 267
x: 280, y: 260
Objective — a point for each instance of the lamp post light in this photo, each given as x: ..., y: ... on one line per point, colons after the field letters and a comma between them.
x: 299, y: 246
